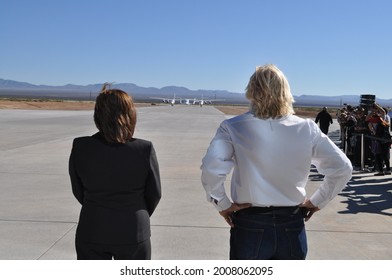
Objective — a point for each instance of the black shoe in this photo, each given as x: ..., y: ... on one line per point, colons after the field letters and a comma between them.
x: 379, y: 174
x: 387, y: 172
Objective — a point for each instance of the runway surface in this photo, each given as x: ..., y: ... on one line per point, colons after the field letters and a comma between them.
x: 38, y: 213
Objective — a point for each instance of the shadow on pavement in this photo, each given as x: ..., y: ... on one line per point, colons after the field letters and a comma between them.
x: 366, y: 194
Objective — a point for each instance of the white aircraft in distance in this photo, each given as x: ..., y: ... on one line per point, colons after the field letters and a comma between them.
x: 188, y: 101
x: 168, y: 100
x: 203, y: 101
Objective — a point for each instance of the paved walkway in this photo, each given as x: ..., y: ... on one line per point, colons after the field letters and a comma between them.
x: 38, y: 213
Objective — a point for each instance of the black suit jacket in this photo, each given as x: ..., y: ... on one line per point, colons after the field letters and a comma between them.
x: 118, y: 186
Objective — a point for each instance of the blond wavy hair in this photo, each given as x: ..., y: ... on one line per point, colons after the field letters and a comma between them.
x: 269, y: 93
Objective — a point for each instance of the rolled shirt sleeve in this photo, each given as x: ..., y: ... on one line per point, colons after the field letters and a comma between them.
x: 216, y: 165
x: 334, y: 165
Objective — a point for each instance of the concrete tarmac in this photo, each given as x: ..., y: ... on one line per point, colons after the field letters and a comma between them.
x: 38, y: 213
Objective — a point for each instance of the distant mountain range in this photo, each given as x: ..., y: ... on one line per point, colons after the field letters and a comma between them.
x: 10, y: 88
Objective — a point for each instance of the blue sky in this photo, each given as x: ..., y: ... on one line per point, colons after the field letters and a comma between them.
x: 324, y: 47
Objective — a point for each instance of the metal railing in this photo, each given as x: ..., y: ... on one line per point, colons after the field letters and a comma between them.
x: 362, y: 144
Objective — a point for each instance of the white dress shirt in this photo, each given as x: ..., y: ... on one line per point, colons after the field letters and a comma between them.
x: 271, y: 160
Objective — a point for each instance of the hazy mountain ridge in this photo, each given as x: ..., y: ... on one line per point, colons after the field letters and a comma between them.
x: 10, y: 84
x: 70, y: 91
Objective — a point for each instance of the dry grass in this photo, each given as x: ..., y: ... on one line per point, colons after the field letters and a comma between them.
x: 37, y: 104
x: 305, y: 112
x: 40, y: 104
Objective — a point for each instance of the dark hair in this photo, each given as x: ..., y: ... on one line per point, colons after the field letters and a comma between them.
x: 115, y: 115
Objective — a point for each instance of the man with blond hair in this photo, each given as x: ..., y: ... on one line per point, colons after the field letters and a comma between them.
x: 271, y: 151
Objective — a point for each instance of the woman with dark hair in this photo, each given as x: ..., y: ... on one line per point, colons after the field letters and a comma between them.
x: 115, y: 177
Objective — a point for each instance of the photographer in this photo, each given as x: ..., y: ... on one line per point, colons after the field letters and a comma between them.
x: 379, y: 128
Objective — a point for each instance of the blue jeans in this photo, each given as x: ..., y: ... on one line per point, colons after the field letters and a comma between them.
x: 271, y: 234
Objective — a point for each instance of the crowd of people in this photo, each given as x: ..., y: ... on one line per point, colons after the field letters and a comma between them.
x: 366, y: 137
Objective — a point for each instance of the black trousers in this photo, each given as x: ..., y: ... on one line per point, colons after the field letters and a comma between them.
x: 324, y: 129
x: 93, y: 251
